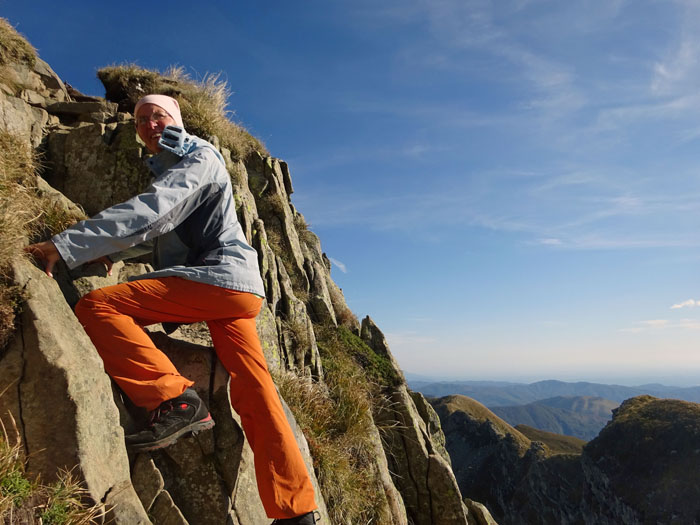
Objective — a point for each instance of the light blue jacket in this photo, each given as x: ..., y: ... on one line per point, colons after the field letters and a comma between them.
x: 186, y: 217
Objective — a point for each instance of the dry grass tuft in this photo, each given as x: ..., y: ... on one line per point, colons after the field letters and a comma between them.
x: 19, y: 208
x: 203, y: 102
x: 18, y: 204
x: 23, y: 215
x: 14, y: 48
x: 336, y: 419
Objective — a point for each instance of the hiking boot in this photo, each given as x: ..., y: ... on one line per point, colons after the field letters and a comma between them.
x: 172, y: 419
x: 310, y: 518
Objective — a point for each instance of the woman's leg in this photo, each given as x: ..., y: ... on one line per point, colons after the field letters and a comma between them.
x: 113, y: 317
x: 283, y: 481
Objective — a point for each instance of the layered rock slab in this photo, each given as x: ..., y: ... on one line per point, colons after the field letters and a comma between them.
x: 62, y: 400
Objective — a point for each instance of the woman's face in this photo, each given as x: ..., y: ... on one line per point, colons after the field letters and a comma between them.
x: 150, y: 122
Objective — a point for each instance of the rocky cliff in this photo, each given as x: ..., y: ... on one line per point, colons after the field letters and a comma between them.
x: 70, y: 416
x: 642, y: 467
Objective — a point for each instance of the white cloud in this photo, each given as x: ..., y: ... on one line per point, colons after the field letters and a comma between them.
x: 655, y: 325
x: 341, y: 266
x: 690, y: 303
x: 550, y: 242
x: 689, y: 324
x: 680, y: 67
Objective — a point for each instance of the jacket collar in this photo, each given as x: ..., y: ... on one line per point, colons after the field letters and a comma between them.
x: 165, y: 160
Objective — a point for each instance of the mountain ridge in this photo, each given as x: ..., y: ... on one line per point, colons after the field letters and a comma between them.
x: 579, y: 416
x: 498, y: 393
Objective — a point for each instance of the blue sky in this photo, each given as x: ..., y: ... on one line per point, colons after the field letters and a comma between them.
x: 510, y: 189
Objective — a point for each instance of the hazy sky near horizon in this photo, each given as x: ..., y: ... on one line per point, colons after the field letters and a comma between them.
x: 510, y: 189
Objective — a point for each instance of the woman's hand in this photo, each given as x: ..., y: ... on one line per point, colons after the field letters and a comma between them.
x: 103, y: 260
x: 46, y: 252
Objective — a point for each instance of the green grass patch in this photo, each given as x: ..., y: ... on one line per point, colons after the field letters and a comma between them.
x: 378, y: 367
x: 15, y: 486
x: 14, y: 48
x: 203, y: 103
x: 25, y: 501
x: 65, y: 504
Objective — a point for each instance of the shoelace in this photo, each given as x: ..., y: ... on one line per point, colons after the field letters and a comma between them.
x: 162, y: 409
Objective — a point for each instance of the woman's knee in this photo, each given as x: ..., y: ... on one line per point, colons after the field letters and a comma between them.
x: 87, y: 305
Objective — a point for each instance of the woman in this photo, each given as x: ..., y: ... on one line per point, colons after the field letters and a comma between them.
x: 204, y: 271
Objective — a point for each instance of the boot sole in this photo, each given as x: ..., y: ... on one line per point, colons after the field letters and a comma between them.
x: 194, y: 428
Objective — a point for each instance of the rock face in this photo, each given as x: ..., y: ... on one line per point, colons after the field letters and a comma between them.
x: 415, y: 448
x: 642, y: 467
x: 52, y: 372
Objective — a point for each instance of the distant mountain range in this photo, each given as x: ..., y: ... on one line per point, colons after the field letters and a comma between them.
x: 503, y: 394
x: 579, y: 416
x: 642, y: 467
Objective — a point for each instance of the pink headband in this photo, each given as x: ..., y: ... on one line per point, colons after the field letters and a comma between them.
x: 169, y: 104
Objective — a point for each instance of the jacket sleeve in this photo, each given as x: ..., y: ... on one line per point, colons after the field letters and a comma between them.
x: 134, y: 251
x: 168, y: 201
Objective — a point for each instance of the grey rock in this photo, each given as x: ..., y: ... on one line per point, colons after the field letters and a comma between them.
x: 266, y: 183
x: 147, y: 480
x: 96, y: 165
x: 268, y: 264
x: 246, y: 207
x: 446, y: 499
x: 478, y: 513
x: 297, y: 337
x: 45, y: 190
x: 424, y: 479
x: 190, y: 473
x: 373, y: 336
x: 432, y: 424
x: 269, y: 339
x: 246, y: 504
x: 11, y: 370
x: 78, y: 109
x: 20, y: 118
x: 50, y: 81
x: 123, y: 506
x: 319, y: 298
x: 165, y: 512
x: 395, y: 507
x: 130, y: 269
x: 63, y: 373
x: 40, y: 79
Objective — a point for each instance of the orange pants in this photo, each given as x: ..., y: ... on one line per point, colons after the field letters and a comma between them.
x: 113, y: 317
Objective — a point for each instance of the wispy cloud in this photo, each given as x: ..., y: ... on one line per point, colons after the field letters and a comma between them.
x: 679, y: 69
x: 580, y: 212
x: 341, y: 266
x: 656, y: 325
x: 690, y: 303
x: 550, y: 241
x: 591, y: 178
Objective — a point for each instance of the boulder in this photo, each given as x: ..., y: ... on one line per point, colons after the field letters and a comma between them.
x: 21, y: 118
x: 62, y: 380
x: 96, y: 165
x: 425, y: 480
